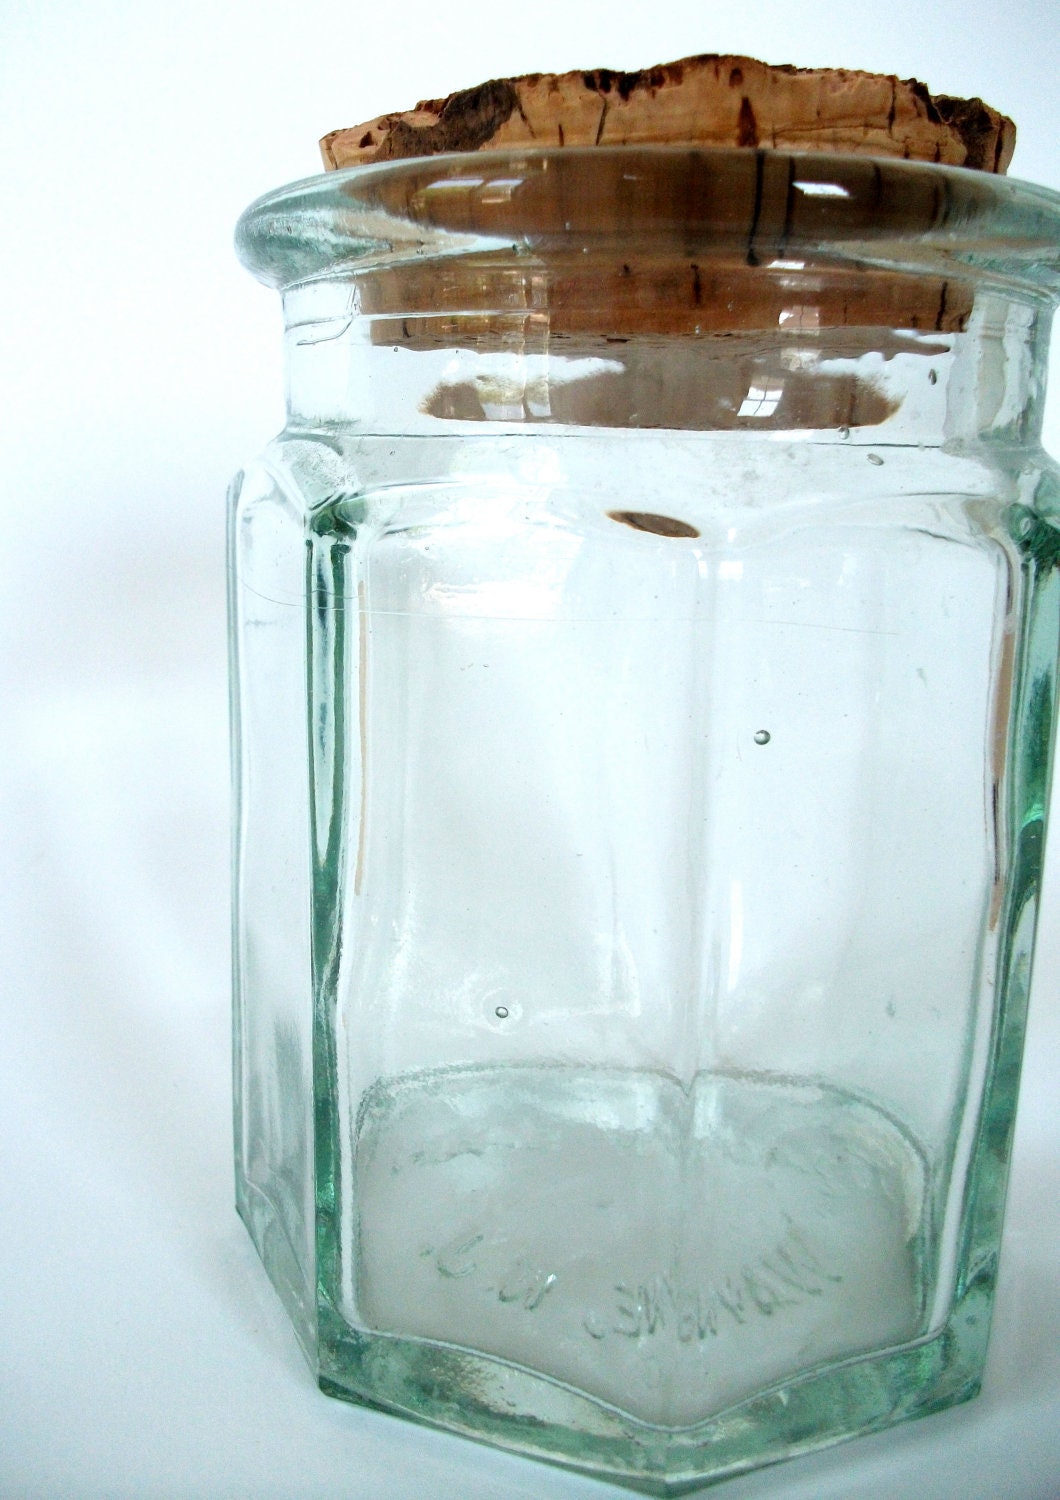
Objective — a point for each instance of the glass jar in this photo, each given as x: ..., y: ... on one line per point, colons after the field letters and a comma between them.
x: 644, y: 655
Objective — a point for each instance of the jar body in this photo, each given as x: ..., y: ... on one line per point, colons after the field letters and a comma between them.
x: 639, y: 839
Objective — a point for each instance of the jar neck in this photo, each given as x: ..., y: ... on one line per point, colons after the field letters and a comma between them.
x: 953, y: 363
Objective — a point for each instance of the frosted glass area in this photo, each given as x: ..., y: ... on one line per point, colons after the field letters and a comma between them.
x: 667, y: 1251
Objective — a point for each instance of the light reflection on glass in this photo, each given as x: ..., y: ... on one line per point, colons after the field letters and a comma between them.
x: 822, y: 189
x: 500, y: 190
x: 800, y: 316
x: 761, y: 401
x: 461, y: 184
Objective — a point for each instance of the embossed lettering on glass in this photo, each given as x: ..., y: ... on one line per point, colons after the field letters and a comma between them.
x: 644, y: 651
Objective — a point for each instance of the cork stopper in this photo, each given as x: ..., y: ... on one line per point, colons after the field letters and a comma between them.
x: 781, y: 216
x: 707, y: 100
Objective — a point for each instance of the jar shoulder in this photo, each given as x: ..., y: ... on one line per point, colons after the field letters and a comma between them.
x: 701, y: 481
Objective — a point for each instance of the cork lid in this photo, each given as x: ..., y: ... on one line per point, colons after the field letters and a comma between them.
x: 710, y: 197
x: 708, y: 100
x: 737, y: 192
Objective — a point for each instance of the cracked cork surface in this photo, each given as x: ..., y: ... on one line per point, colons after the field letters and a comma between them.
x: 708, y: 100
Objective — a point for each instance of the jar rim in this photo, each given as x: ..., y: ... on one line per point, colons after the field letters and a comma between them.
x: 767, y: 206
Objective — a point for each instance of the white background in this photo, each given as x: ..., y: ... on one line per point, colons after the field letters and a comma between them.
x: 142, y: 1352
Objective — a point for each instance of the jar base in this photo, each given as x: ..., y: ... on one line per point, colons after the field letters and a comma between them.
x: 507, y: 1408
x: 653, y: 1281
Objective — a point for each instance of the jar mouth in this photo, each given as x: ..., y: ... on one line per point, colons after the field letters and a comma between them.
x: 756, y: 208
